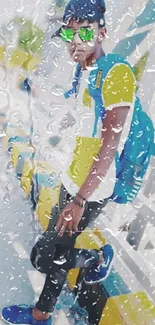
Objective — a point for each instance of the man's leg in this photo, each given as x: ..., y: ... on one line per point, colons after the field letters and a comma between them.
x: 54, y: 256
x: 58, y: 255
x: 54, y: 282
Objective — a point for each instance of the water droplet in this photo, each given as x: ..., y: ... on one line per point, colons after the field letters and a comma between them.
x: 96, y: 158
x: 21, y: 9
x: 11, y: 277
x: 10, y: 25
x: 57, y: 90
x: 36, y: 137
x: 6, y: 198
x: 117, y: 129
x: 68, y: 217
x: 54, y: 140
x: 55, y: 60
x: 20, y: 223
x: 138, y: 205
x: 55, y: 281
x: 9, y: 166
x: 61, y: 261
x: 9, y: 187
x: 58, y: 306
x: 14, y: 289
x: 49, y: 127
x: 2, y: 133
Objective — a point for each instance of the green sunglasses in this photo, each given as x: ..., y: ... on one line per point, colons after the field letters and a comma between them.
x: 86, y: 34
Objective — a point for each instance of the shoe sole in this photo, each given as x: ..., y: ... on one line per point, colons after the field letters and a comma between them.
x: 6, y: 321
x: 102, y: 279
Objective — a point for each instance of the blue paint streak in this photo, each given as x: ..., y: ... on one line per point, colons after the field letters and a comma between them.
x: 146, y: 17
x: 127, y: 46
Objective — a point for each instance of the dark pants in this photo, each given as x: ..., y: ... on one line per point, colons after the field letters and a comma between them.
x: 55, y: 255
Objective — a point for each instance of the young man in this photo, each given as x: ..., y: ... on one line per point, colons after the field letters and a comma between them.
x: 91, y: 175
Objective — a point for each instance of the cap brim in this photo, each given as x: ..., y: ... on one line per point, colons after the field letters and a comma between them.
x: 57, y: 33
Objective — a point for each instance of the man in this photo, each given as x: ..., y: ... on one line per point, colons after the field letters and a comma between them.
x: 91, y: 175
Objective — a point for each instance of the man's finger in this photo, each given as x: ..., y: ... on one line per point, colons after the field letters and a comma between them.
x: 63, y: 228
x: 70, y: 228
x: 75, y: 226
x: 59, y: 223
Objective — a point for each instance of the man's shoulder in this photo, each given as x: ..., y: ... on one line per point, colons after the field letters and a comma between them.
x: 108, y: 69
x: 110, y: 60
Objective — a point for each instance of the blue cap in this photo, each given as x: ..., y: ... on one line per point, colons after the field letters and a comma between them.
x: 91, y: 10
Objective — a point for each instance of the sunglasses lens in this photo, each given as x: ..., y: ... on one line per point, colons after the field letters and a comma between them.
x: 67, y: 35
x: 86, y: 34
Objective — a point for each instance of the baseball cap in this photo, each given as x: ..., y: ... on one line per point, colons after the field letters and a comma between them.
x: 91, y: 10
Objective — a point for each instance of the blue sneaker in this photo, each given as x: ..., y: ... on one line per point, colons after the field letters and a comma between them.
x: 22, y: 314
x: 102, y: 271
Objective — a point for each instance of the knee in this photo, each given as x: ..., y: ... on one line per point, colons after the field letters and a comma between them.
x: 35, y: 258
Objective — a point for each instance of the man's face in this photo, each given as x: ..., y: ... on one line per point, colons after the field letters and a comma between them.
x: 80, y: 50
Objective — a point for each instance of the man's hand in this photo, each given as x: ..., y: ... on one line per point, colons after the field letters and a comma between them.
x: 69, y: 219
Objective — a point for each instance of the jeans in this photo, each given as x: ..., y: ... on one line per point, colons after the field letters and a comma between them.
x: 55, y: 255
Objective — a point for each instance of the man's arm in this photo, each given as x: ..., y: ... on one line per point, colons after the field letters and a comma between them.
x: 111, y: 133
x: 112, y: 129
x: 118, y: 88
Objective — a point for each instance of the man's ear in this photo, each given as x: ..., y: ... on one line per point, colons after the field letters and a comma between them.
x: 102, y: 34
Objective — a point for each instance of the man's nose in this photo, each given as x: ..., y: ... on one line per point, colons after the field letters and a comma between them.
x: 77, y: 38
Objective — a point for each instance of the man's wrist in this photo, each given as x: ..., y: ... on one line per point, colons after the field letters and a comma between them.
x: 81, y: 201
x: 80, y: 196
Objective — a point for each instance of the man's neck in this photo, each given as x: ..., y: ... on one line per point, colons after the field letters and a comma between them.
x: 91, y: 60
